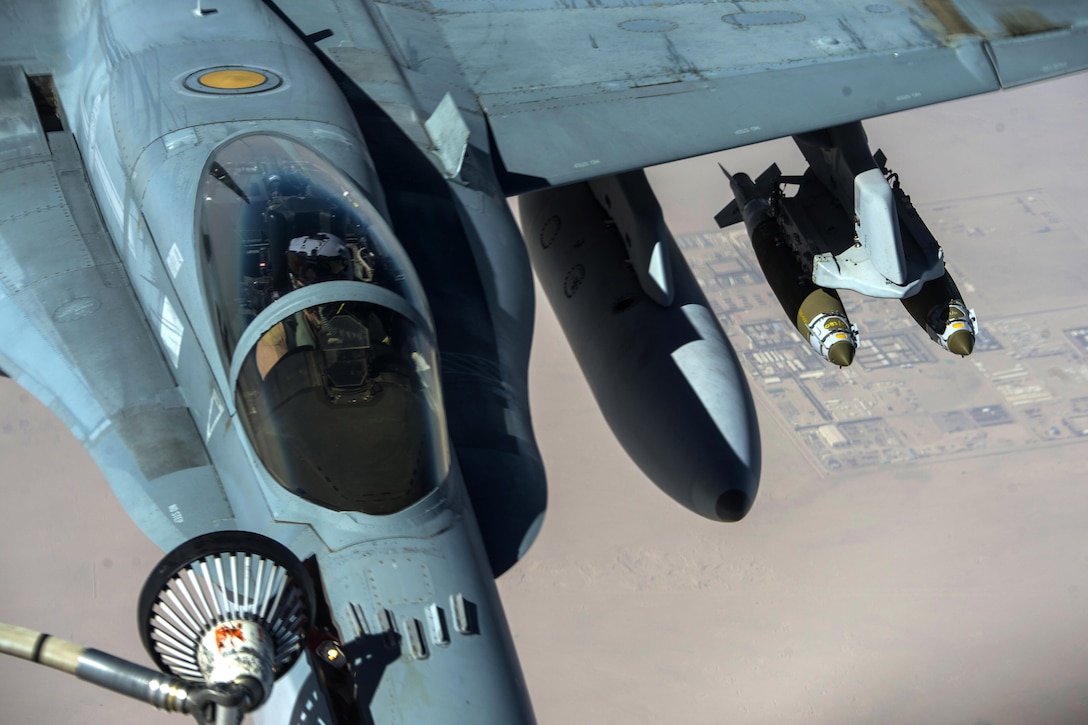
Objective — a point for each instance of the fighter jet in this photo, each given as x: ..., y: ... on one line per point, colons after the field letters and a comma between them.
x: 258, y: 257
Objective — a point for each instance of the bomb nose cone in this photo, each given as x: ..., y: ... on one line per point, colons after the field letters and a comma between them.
x: 962, y: 342
x: 841, y: 353
x: 733, y: 505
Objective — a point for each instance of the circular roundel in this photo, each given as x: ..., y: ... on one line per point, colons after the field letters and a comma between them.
x: 231, y: 80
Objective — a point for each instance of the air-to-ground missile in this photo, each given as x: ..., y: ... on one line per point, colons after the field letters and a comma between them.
x: 815, y: 311
x: 939, y: 309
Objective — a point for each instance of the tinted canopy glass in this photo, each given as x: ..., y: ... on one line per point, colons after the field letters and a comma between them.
x: 337, y: 384
x: 340, y: 402
x: 275, y: 216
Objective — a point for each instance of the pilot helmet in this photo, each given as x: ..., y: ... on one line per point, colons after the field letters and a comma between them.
x: 317, y: 258
x: 285, y: 184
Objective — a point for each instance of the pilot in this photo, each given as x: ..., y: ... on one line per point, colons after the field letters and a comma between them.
x: 318, y: 258
x: 286, y: 184
x: 312, y: 259
x: 323, y: 258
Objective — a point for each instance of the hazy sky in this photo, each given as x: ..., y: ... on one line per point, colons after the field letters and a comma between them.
x: 943, y: 593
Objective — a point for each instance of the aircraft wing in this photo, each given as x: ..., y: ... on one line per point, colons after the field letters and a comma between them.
x: 73, y: 334
x: 574, y: 89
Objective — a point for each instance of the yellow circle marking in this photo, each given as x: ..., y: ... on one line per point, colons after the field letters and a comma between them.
x: 233, y: 80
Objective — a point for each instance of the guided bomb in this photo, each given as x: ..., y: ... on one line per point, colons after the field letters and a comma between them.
x: 939, y: 309
x: 808, y: 238
x: 816, y: 312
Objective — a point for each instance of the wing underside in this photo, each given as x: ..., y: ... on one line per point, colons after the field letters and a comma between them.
x: 618, y: 84
x: 573, y: 89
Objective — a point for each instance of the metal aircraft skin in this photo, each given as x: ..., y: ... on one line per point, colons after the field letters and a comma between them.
x: 258, y: 258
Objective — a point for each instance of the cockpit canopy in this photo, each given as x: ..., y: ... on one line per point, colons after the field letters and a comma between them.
x: 274, y: 217
x: 337, y: 383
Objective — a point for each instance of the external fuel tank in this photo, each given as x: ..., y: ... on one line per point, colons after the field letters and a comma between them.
x: 653, y: 353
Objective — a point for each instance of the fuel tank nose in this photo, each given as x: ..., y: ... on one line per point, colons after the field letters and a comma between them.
x: 665, y: 376
x: 733, y: 505
x: 724, y: 486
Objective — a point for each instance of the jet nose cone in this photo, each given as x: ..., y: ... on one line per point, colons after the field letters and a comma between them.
x: 733, y: 505
x: 841, y: 353
x: 962, y: 342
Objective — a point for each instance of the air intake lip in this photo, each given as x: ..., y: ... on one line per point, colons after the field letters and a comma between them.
x: 201, y: 590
